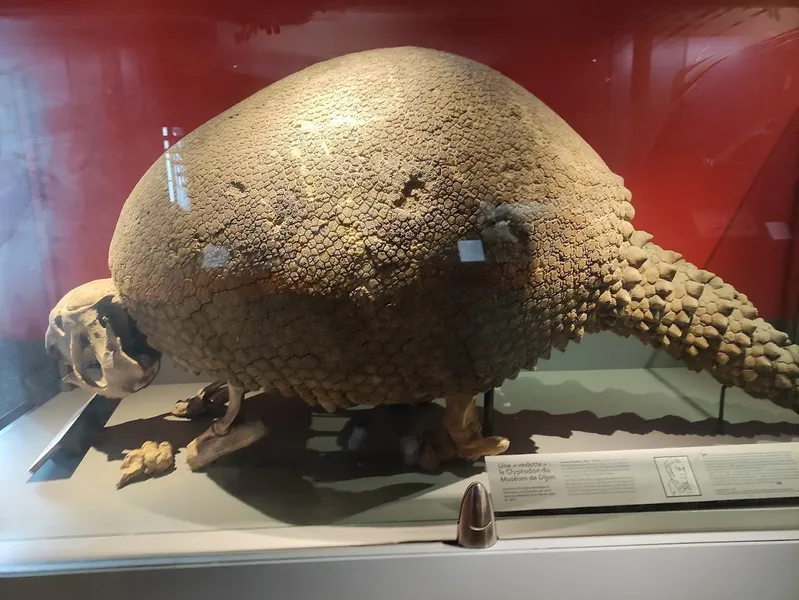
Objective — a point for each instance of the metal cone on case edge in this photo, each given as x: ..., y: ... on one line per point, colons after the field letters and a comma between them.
x: 476, y: 524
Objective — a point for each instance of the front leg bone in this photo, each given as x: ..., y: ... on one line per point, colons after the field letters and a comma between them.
x: 207, y: 400
x: 223, y: 437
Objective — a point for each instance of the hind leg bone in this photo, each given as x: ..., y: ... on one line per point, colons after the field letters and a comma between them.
x: 464, y: 431
x: 462, y: 422
x: 223, y: 437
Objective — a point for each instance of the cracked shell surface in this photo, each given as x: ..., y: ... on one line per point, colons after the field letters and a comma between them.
x: 308, y: 240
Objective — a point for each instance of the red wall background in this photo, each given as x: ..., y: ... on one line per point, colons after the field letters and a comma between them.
x: 694, y: 103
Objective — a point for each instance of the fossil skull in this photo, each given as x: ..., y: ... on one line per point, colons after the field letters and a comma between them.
x: 103, y: 349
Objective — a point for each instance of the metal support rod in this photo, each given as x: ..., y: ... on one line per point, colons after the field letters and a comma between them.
x: 488, y: 413
x: 720, y: 420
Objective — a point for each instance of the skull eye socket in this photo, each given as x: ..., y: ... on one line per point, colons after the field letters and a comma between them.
x: 93, y: 371
x: 59, y: 322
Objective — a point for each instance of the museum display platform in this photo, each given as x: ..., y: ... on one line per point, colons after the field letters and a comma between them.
x: 301, y: 489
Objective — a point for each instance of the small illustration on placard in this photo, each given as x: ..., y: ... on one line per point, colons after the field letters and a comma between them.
x: 677, y: 476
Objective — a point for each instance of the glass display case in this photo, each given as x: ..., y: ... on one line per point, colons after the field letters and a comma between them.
x: 336, y: 280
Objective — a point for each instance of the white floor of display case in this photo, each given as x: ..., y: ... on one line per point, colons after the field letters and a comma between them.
x: 300, y: 489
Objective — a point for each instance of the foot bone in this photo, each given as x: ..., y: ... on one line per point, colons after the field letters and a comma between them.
x: 151, y: 458
x: 206, y: 449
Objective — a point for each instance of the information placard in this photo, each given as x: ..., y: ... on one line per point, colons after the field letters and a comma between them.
x: 642, y: 477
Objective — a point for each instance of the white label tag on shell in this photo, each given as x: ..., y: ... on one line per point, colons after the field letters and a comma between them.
x: 471, y: 251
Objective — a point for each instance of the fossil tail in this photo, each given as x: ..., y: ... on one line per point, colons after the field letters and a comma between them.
x: 696, y: 317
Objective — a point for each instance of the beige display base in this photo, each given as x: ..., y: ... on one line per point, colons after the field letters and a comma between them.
x: 312, y: 495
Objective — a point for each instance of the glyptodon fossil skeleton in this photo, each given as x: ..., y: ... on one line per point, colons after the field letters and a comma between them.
x: 392, y: 226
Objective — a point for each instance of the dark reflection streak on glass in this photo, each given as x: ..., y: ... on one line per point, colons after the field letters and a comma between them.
x: 25, y: 103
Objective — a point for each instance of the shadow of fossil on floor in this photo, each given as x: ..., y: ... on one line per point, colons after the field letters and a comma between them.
x: 303, y: 473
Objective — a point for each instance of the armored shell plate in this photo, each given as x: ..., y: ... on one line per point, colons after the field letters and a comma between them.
x: 387, y: 226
